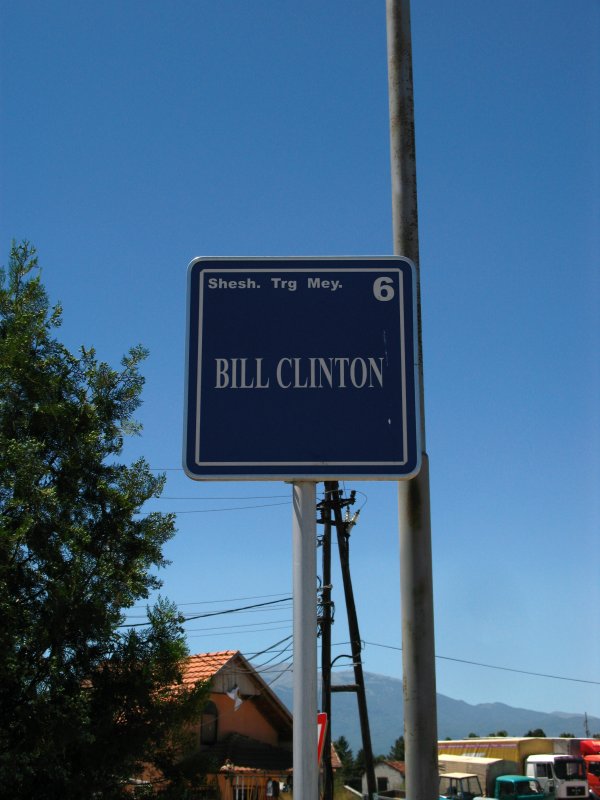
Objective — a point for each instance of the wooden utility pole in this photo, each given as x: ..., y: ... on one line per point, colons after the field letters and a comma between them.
x: 333, y: 505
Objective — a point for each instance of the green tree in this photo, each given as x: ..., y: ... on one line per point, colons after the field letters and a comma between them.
x: 342, y: 748
x: 359, y: 763
x: 359, y: 766
x: 83, y: 701
x: 397, y: 750
x: 566, y: 735
x: 538, y: 732
x: 498, y: 733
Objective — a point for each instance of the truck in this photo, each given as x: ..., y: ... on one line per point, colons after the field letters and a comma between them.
x: 560, y: 772
x: 489, y: 772
x: 517, y: 787
x: 459, y: 786
x: 561, y: 776
x: 589, y: 750
x: 486, y: 770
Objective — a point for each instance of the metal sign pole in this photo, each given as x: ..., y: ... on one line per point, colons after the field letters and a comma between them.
x: 304, y: 533
x: 418, y: 649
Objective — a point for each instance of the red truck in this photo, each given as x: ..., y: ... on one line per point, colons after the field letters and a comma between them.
x: 589, y: 749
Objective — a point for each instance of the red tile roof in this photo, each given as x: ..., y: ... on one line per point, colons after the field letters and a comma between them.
x: 397, y: 765
x: 203, y: 666
x: 335, y: 759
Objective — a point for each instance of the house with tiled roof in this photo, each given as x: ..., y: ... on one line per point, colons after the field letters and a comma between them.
x: 244, y: 730
x: 389, y: 776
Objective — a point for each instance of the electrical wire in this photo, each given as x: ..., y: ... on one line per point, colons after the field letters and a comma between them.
x: 226, y: 600
x: 270, y: 671
x: 494, y: 666
x: 268, y: 649
x: 279, y: 623
x: 192, y: 635
x: 213, y: 510
x: 249, y: 610
x: 216, y: 613
x: 255, y: 606
x: 202, y: 497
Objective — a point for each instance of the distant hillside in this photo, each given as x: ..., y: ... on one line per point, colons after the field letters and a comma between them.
x: 456, y: 719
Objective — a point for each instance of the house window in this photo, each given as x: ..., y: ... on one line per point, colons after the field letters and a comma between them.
x: 382, y: 784
x: 208, y: 724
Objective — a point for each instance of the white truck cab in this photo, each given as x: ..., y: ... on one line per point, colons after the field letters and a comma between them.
x: 562, y: 777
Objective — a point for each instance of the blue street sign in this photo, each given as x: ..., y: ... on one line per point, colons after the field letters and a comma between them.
x: 301, y: 368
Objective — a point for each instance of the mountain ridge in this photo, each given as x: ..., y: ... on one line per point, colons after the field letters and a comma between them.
x: 456, y: 718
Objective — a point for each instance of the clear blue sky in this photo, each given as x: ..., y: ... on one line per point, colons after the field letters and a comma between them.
x: 138, y: 135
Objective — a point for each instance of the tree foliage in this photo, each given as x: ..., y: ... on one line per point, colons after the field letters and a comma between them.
x: 342, y: 748
x: 83, y: 701
x: 396, y: 752
x: 360, y: 763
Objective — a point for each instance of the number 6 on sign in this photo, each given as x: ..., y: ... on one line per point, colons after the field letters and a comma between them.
x: 383, y: 289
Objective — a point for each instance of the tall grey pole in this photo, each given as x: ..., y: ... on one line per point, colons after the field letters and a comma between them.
x: 418, y: 649
x: 304, y: 535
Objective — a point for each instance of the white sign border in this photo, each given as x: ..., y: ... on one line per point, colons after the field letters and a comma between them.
x: 336, y: 475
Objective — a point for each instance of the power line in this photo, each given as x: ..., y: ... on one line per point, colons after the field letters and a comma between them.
x: 227, y: 600
x: 202, y: 497
x: 272, y: 670
x: 267, y: 626
x: 192, y: 635
x: 250, y: 610
x: 216, y: 613
x: 232, y: 508
x: 180, y: 469
x: 268, y: 649
x: 287, y: 599
x: 214, y: 510
x: 494, y: 666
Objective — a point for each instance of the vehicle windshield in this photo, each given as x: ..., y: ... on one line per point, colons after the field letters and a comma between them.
x: 460, y: 788
x: 569, y: 769
x: 529, y: 787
